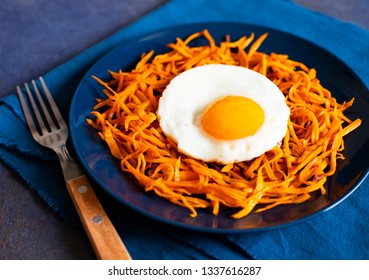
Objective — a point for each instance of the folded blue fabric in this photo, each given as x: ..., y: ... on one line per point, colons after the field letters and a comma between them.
x: 341, y: 233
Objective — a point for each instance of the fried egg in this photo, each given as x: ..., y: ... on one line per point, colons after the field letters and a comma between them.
x: 223, y: 113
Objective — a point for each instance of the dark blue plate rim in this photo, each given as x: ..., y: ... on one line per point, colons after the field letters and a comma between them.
x: 93, y: 155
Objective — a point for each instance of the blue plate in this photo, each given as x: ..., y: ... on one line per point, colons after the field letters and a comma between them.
x: 105, y: 171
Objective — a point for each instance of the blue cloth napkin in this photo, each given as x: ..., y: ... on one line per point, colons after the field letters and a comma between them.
x: 341, y: 233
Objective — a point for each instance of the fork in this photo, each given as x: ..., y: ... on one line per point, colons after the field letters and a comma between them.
x: 49, y: 129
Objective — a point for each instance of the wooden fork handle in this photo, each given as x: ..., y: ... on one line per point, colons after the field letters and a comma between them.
x: 104, y: 238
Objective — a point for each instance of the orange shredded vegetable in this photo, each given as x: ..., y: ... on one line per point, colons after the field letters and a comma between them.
x: 126, y: 120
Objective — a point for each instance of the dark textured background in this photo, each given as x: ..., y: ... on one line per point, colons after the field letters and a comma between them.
x: 35, y: 37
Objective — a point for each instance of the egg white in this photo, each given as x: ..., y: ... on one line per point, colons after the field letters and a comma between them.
x: 188, y: 95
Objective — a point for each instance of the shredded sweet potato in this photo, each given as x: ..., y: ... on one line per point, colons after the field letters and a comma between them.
x: 126, y: 120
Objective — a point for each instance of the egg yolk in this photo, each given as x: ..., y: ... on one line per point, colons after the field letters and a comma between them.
x: 232, y: 117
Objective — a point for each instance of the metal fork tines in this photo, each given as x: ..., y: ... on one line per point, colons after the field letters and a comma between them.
x: 49, y: 129
x: 45, y: 135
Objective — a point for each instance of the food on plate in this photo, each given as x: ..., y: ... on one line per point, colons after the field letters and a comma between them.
x: 223, y: 113
x: 136, y: 121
